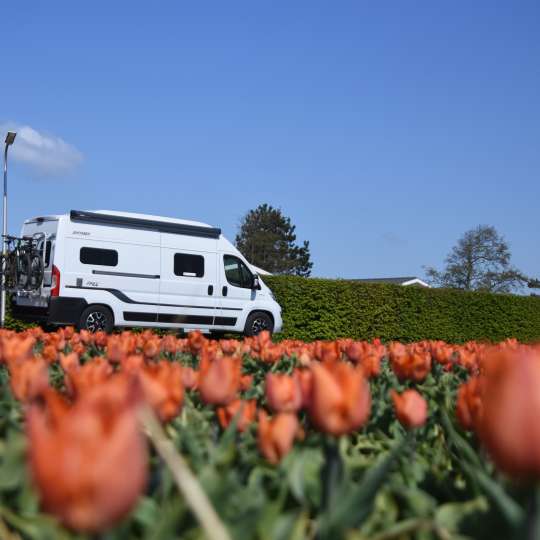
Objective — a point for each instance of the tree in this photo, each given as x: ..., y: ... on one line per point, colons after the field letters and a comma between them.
x: 479, y: 261
x: 267, y: 239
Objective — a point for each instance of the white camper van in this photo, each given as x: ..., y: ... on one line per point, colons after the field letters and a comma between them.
x: 104, y: 269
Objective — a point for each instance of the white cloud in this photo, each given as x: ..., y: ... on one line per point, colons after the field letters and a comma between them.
x: 45, y: 153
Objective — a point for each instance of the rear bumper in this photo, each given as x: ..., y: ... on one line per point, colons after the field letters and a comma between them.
x: 61, y: 310
x: 66, y: 310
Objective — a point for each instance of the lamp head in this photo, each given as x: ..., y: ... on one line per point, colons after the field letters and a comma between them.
x: 10, y: 137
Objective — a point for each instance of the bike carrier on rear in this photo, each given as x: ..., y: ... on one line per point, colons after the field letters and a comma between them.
x: 22, y: 265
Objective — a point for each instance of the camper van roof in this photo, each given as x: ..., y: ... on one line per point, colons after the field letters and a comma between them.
x: 151, y: 217
x: 126, y: 214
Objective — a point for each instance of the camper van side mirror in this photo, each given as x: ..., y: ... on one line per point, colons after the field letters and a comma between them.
x: 256, y: 284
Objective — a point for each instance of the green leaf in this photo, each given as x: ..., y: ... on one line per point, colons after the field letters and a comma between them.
x: 356, y: 502
x: 449, y: 515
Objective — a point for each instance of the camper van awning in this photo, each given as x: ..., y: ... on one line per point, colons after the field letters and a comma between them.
x: 140, y: 223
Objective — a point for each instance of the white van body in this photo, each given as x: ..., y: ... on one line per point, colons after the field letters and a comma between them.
x: 147, y: 270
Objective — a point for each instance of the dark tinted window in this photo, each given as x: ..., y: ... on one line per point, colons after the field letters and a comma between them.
x: 47, y: 255
x: 188, y: 265
x: 48, y: 246
x: 102, y: 257
x: 237, y: 273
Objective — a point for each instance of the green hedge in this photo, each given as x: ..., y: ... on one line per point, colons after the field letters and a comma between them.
x: 330, y: 309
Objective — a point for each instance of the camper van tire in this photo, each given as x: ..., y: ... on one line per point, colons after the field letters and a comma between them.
x: 257, y: 322
x: 97, y: 318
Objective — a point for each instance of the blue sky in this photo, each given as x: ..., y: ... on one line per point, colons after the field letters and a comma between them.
x: 383, y: 129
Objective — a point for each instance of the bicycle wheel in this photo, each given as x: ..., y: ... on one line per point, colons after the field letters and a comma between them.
x: 23, y: 270
x: 36, y: 271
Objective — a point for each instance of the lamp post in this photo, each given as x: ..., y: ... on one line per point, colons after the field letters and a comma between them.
x: 10, y: 138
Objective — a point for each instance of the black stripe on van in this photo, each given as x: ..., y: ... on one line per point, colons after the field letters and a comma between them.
x: 127, y: 300
x: 177, y: 318
x: 141, y: 223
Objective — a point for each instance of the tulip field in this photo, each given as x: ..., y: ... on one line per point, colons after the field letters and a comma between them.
x: 136, y: 435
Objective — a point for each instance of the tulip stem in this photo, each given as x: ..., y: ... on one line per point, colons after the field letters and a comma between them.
x: 186, y: 481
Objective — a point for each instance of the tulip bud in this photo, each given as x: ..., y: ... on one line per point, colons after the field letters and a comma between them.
x: 28, y: 378
x: 276, y: 436
x: 163, y: 388
x: 88, y: 462
x: 340, y: 398
x: 509, y: 426
x: 283, y: 392
x: 245, y: 410
x: 219, y: 380
x: 411, y: 408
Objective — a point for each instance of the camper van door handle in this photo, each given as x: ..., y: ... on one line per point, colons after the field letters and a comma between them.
x: 210, y: 290
x: 224, y: 290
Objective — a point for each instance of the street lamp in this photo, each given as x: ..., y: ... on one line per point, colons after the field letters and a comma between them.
x: 10, y: 138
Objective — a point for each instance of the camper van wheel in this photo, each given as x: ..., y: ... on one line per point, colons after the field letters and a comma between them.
x: 257, y: 322
x: 96, y: 318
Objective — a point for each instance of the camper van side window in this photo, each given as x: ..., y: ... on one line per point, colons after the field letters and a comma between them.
x: 188, y: 265
x: 101, y: 257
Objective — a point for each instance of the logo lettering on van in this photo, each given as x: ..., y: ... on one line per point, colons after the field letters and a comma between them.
x: 92, y: 284
x: 84, y: 233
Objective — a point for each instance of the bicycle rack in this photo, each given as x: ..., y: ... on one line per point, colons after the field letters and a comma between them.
x: 34, y: 239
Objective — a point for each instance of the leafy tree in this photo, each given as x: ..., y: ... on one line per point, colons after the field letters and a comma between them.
x: 479, y: 261
x: 267, y: 239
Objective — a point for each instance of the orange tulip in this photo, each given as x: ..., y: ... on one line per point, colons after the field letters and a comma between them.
x: 120, y: 346
x: 340, y: 398
x: 196, y: 341
x: 469, y: 403
x: 69, y: 361
x: 88, y: 462
x: 246, y: 411
x: 245, y: 382
x: 411, y: 408
x: 79, y: 379
x: 219, y: 380
x: 509, y: 425
x: 283, y: 392
x: 276, y: 436
x: 163, y: 388
x: 412, y: 363
x: 28, y: 378
x: 16, y: 349
x: 190, y: 378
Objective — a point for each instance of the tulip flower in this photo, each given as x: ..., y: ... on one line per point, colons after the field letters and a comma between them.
x: 16, y: 349
x: 340, y: 398
x: 469, y: 404
x: 219, y: 379
x: 89, y: 462
x: 410, y: 364
x: 283, y: 392
x: 190, y: 378
x: 305, y: 378
x: 276, y: 435
x: 411, y: 408
x: 163, y: 388
x: 78, y: 379
x: 28, y: 378
x: 509, y: 427
x: 244, y: 410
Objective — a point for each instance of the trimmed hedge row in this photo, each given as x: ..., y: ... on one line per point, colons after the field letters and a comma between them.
x: 331, y: 309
